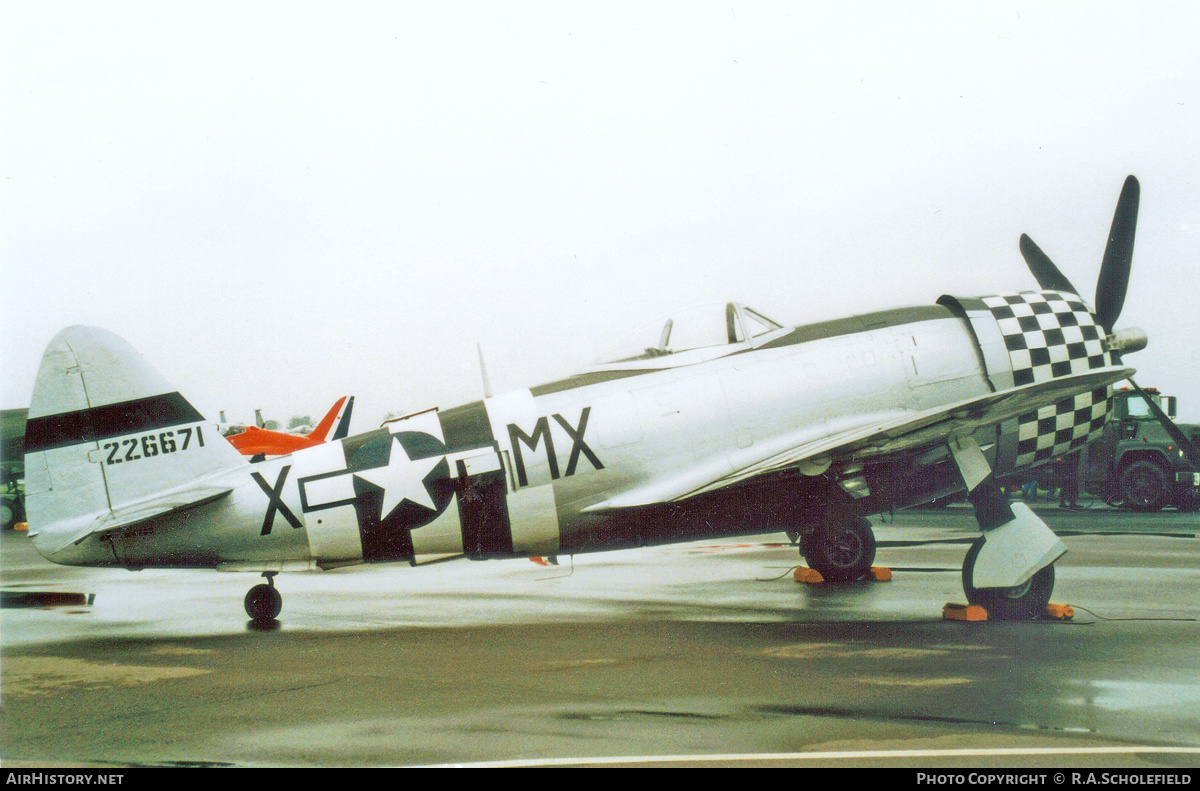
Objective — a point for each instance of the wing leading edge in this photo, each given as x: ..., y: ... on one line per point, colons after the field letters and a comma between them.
x: 881, y: 435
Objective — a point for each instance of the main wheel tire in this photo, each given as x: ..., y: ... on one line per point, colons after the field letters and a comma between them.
x: 1025, y: 602
x: 263, y: 603
x: 845, y: 554
x: 1143, y: 486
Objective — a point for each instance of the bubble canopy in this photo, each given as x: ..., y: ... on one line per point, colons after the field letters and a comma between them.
x: 695, y: 334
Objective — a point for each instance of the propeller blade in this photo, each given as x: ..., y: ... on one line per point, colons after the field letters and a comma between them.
x: 1044, y: 271
x: 1118, y: 256
x: 1180, y: 438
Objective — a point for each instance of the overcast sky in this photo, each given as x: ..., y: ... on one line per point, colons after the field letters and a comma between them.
x: 281, y: 203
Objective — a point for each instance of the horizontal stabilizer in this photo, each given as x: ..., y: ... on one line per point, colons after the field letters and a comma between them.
x: 135, y: 514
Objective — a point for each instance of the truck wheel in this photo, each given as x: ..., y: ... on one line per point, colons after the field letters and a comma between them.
x: 13, y: 511
x: 1143, y: 485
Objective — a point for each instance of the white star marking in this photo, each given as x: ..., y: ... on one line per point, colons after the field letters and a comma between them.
x: 402, y: 479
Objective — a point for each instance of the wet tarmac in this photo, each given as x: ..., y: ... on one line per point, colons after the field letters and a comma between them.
x: 706, y: 653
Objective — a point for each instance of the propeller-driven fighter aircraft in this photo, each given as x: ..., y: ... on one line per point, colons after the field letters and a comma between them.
x: 710, y: 423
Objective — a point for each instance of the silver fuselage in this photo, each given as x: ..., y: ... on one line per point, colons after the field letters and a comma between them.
x: 513, y: 474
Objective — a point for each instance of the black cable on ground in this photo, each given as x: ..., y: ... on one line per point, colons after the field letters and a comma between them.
x: 1102, y: 618
x: 781, y: 576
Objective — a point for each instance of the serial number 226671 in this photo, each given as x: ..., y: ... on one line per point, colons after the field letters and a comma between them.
x: 150, y: 445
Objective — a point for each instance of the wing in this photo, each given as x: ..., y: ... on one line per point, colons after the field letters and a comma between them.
x: 876, y: 435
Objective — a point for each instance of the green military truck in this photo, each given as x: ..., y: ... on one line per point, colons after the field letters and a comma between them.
x: 1135, y: 463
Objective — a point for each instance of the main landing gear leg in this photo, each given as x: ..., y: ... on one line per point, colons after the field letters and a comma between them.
x: 1009, y: 571
x: 263, y: 602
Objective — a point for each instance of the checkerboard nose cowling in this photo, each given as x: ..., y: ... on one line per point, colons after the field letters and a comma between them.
x: 1051, y: 334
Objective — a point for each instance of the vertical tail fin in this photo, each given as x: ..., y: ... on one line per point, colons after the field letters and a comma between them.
x: 319, y: 433
x: 343, y: 427
x: 107, y: 436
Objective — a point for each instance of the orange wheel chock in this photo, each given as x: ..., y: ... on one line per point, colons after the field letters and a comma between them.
x: 21, y: 526
x: 964, y: 612
x: 809, y: 576
x: 813, y: 577
x: 1060, y: 612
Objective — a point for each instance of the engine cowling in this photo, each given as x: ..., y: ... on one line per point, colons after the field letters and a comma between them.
x: 1035, y: 336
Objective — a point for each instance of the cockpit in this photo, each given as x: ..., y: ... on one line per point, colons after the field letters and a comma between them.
x: 692, y: 335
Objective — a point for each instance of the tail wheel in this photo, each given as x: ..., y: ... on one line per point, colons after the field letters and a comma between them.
x: 263, y: 603
x: 1025, y: 602
x: 1143, y: 486
x: 843, y: 552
